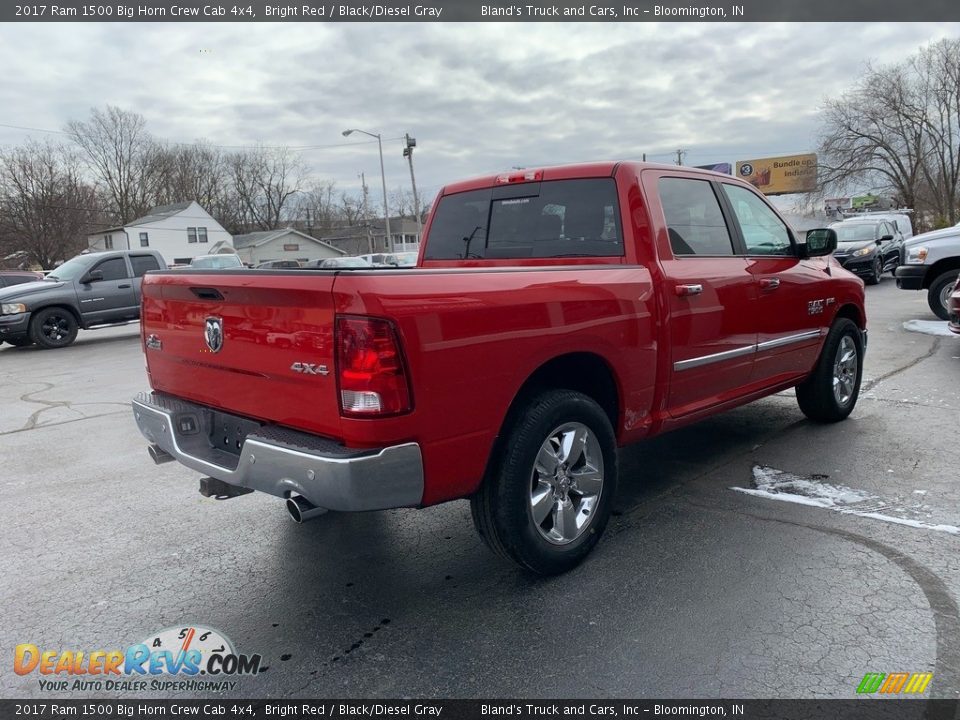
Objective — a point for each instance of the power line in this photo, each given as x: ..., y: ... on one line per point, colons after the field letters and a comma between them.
x: 199, y: 143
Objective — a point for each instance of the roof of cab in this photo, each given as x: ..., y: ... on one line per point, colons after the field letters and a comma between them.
x: 565, y: 172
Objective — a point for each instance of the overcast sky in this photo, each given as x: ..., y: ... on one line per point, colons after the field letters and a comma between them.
x: 479, y: 97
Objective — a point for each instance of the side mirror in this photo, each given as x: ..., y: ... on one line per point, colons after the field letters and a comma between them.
x: 92, y: 276
x: 820, y: 242
x: 884, y: 238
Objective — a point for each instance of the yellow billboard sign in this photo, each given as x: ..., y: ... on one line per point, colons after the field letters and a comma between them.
x: 779, y: 175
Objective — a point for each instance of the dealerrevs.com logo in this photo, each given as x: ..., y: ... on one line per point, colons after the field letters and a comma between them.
x: 174, y: 659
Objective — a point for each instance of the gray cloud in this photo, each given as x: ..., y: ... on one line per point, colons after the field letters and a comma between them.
x: 479, y: 97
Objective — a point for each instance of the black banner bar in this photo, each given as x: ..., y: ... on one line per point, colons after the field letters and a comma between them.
x: 482, y: 11
x: 859, y: 709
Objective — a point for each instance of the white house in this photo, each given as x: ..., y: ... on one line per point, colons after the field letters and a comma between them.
x: 284, y: 244
x: 179, y: 232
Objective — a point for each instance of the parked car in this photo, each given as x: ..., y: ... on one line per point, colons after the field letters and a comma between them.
x: 380, y: 259
x: 91, y: 290
x: 18, y: 277
x: 405, y: 259
x: 867, y: 247
x: 223, y: 261
x: 557, y: 314
x: 338, y: 262
x: 931, y: 262
x: 279, y: 265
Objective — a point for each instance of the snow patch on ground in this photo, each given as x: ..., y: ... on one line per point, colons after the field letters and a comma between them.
x: 810, y: 490
x: 929, y: 327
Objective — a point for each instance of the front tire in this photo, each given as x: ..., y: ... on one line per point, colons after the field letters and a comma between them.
x: 830, y: 393
x: 877, y: 273
x: 53, y: 327
x: 547, y: 498
x: 939, y: 293
x: 20, y: 342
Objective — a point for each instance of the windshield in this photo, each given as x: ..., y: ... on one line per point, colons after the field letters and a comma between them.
x: 71, y: 269
x: 855, y: 232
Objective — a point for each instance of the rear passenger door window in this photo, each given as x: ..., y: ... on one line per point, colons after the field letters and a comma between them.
x: 694, y: 220
x: 763, y: 232
x: 143, y: 263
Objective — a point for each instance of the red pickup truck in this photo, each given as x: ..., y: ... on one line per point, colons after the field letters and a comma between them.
x: 553, y: 316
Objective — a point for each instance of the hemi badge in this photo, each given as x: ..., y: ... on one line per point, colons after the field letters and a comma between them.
x: 153, y: 342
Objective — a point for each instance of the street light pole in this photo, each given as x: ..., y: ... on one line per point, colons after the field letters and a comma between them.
x: 408, y: 154
x: 383, y: 179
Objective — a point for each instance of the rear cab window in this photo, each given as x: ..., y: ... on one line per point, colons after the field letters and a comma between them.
x: 549, y: 219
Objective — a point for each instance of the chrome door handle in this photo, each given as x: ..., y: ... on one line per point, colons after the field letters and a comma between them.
x: 124, y: 287
x: 687, y: 290
x: 769, y: 283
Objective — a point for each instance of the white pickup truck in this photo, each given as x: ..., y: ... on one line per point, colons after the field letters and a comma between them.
x: 931, y: 262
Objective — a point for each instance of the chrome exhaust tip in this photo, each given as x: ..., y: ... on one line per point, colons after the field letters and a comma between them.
x: 302, y: 510
x: 159, y: 455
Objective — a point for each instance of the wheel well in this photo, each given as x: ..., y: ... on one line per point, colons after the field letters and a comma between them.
x: 583, y: 372
x: 61, y: 307
x: 940, y: 267
x: 852, y: 312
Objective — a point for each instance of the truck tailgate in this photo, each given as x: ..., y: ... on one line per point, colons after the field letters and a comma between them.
x: 276, y: 359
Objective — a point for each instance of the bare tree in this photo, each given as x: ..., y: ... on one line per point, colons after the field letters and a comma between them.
x: 266, y: 180
x: 316, y: 207
x: 122, y: 156
x: 198, y: 172
x: 937, y: 69
x: 46, y: 207
x: 352, y: 209
x: 401, y: 203
x: 897, y: 131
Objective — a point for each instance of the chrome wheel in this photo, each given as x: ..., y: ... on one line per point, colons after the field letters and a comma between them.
x: 945, y: 294
x: 845, y: 371
x: 566, y: 483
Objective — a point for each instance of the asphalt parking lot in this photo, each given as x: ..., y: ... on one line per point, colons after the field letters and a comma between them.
x: 697, y: 590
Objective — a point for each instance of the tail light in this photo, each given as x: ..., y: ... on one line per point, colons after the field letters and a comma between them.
x: 370, y: 368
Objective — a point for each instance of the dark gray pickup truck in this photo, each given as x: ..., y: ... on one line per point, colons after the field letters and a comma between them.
x: 91, y: 290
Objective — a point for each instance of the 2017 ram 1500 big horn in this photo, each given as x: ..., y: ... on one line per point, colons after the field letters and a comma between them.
x: 553, y: 316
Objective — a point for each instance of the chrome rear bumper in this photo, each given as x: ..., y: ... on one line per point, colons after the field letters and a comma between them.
x: 280, y: 461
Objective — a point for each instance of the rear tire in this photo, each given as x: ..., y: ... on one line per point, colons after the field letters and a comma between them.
x: 20, y: 342
x: 939, y: 292
x: 830, y: 393
x: 53, y: 327
x: 547, y: 498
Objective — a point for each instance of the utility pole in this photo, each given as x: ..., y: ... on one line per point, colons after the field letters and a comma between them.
x: 411, y: 143
x: 680, y: 153
x: 363, y: 210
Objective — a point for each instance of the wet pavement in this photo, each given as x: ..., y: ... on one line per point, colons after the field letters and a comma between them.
x: 695, y: 590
